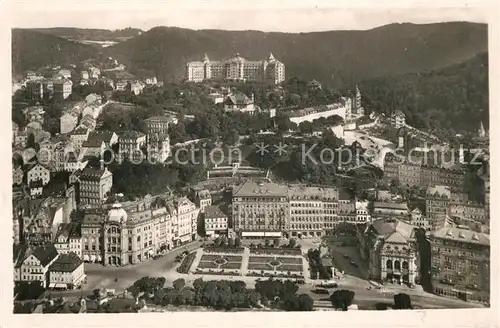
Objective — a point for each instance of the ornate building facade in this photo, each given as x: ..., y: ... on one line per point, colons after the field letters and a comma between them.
x: 132, y: 232
x: 237, y: 68
x: 389, y: 245
x: 460, y: 263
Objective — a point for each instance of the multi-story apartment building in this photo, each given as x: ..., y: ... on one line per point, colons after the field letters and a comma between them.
x: 460, y: 260
x: 362, y: 213
x: 237, y: 68
x: 417, y: 219
x: 132, y: 232
x: 203, y: 199
x: 437, y: 202
x: 267, y: 209
x: 157, y: 125
x: 261, y: 210
x: 95, y: 184
x: 69, y: 121
x: 33, y: 266
x: 66, y: 272
x: 158, y: 141
x: 409, y: 174
x: 398, y: 119
x: 63, y: 88
x: 38, y: 172
x: 390, y: 209
x: 389, y: 245
x: 78, y: 137
x: 310, y: 210
x: 470, y: 211
x: 35, y: 90
x: 216, y: 221
x: 346, y: 207
x: 131, y: 144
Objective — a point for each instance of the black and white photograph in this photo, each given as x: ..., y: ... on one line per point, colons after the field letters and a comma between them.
x: 250, y: 160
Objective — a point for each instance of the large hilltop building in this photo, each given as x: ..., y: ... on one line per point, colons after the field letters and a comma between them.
x: 236, y: 69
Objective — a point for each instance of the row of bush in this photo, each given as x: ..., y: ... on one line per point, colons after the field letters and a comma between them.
x: 186, y: 263
x: 223, y: 249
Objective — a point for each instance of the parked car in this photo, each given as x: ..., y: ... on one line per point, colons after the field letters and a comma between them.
x: 328, y: 284
x: 320, y: 291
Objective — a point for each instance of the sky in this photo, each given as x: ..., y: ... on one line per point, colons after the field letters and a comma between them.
x: 302, y: 16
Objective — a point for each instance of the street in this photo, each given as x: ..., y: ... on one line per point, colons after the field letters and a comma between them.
x: 99, y: 276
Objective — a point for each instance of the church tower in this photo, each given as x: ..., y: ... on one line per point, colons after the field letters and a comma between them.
x: 481, y: 132
x: 207, y: 67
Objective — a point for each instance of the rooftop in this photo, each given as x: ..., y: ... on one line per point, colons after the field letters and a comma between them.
x: 396, y: 206
x: 261, y: 189
x: 214, y: 211
x: 45, y: 254
x: 462, y: 234
x: 239, y: 99
x: 387, y: 227
x: 66, y: 263
x: 92, y: 174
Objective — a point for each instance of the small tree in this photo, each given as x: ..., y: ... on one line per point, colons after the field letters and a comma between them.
x: 178, y: 284
x: 276, y: 242
x: 292, y: 243
x: 230, y: 242
x: 342, y: 299
x: 267, y: 242
x: 237, y: 242
x: 402, y: 302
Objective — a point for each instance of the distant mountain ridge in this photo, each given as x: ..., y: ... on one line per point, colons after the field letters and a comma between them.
x: 333, y: 57
x: 336, y: 58
x: 92, y: 34
x: 32, y: 49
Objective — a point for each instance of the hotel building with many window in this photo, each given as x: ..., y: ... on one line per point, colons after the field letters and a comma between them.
x: 237, y: 68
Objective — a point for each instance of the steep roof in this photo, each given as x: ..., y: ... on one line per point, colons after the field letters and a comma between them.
x: 239, y: 99
x: 45, y: 254
x: 66, y: 263
x: 92, y: 174
x: 388, y: 226
x: 214, y: 211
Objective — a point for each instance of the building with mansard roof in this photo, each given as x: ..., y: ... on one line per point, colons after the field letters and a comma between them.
x: 237, y: 68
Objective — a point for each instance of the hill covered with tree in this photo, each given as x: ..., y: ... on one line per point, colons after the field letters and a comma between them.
x: 452, y: 99
x: 32, y: 50
x: 334, y: 57
x: 92, y: 33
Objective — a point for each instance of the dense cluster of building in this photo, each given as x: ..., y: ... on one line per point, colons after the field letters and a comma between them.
x: 237, y: 68
x: 59, y: 82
